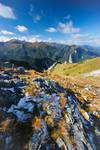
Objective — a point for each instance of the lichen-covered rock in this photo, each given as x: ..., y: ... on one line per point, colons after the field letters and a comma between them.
x: 45, y: 117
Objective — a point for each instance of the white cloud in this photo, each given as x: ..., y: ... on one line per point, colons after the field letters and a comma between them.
x: 4, y: 38
x: 81, y: 36
x: 21, y: 28
x: 36, y: 18
x: 33, y: 38
x: 50, y: 39
x: 6, y: 12
x: 37, y: 35
x: 68, y: 28
x: 31, y: 10
x: 83, y: 39
x: 67, y: 17
x: 51, y: 30
x: 97, y: 41
x: 73, y: 39
x: 5, y: 32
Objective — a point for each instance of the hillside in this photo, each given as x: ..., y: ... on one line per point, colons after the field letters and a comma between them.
x: 76, y: 68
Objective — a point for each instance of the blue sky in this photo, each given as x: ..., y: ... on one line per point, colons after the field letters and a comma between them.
x: 65, y: 21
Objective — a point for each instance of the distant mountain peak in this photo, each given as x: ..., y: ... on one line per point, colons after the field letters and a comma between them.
x: 43, y: 54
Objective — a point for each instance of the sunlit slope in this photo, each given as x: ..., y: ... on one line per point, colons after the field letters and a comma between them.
x: 77, y: 68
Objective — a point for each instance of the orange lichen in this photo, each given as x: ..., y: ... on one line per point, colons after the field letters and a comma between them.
x: 36, y: 123
x: 4, y: 126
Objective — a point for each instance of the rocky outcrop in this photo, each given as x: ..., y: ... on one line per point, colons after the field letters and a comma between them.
x: 51, y: 118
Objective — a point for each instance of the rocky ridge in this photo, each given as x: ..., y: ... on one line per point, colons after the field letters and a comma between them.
x: 37, y: 113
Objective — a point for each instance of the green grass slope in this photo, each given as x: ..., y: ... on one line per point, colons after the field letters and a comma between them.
x: 76, y: 68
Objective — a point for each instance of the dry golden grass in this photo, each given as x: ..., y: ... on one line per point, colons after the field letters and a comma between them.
x: 77, y: 84
x: 31, y: 90
x: 49, y: 120
x: 83, y: 113
x: 61, y: 131
x: 62, y: 100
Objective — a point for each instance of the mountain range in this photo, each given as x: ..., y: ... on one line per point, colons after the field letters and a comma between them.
x: 41, y: 55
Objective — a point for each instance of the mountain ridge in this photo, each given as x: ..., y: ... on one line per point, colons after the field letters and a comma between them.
x: 34, y: 53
